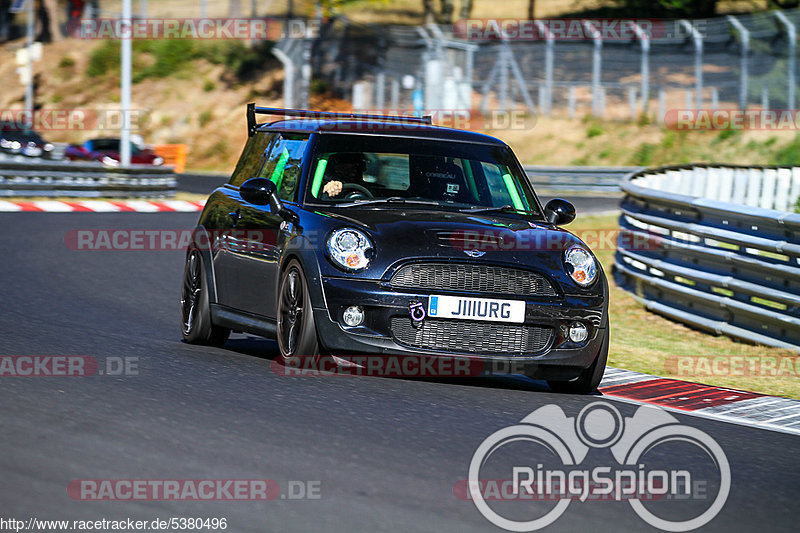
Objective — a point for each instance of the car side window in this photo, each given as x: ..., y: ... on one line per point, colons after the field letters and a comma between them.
x: 252, y: 158
x: 282, y: 165
x: 502, y: 187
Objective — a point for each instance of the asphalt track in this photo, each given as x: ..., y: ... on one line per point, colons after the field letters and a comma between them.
x: 387, y: 452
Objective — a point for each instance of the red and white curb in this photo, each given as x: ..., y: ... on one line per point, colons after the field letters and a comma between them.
x: 730, y: 405
x: 101, y: 206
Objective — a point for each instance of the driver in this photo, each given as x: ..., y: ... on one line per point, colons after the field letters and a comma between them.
x: 344, y: 168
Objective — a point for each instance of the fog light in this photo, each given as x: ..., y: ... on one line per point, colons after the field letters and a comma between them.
x: 578, y: 332
x: 353, y: 315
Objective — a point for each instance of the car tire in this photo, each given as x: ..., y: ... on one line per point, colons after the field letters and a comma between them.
x: 590, y: 377
x: 297, y: 333
x: 196, y: 325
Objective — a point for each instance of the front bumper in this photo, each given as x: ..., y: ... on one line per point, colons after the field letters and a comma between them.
x: 559, y: 359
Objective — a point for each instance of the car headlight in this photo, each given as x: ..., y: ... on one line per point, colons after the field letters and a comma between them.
x: 158, y: 160
x: 580, y: 265
x: 349, y: 249
x: 110, y: 161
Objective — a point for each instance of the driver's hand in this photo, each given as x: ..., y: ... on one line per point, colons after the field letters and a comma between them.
x: 332, y: 188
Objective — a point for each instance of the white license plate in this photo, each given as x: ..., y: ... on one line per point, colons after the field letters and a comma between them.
x: 487, y: 309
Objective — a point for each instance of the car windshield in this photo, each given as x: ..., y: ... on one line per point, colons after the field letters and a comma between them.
x: 110, y: 145
x: 354, y: 170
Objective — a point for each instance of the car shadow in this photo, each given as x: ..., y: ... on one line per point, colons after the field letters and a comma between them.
x: 252, y: 345
x: 268, y: 349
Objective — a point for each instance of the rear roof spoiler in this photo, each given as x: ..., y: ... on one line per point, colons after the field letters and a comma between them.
x: 252, y: 111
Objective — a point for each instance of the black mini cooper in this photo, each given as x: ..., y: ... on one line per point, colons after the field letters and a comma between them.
x: 362, y: 234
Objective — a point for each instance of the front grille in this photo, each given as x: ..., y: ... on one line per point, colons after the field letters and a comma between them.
x: 472, y: 278
x: 471, y: 337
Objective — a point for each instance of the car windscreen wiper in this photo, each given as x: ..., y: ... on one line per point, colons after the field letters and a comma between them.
x: 399, y: 200
x: 500, y: 209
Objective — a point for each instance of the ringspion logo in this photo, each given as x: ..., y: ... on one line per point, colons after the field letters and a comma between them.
x: 541, y: 461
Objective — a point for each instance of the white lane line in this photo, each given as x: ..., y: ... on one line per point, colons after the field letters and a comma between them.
x: 746, y: 422
x: 142, y: 206
x: 616, y: 376
x: 102, y: 206
x: 180, y: 205
x: 53, y: 206
x: 794, y: 415
x: 99, y: 206
x: 9, y: 206
x: 744, y: 405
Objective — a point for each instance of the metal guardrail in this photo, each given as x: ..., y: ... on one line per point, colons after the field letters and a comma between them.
x: 730, y: 268
x: 578, y: 179
x: 595, y: 180
x: 86, y: 180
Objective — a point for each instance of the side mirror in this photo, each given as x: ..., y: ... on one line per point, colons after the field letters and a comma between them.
x: 258, y: 191
x: 559, y: 212
x: 261, y: 191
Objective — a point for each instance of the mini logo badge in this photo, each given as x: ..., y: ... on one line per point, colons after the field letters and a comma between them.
x: 475, y: 253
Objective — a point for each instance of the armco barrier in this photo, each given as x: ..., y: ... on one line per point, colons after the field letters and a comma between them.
x: 715, y: 247
x: 86, y: 180
x: 545, y: 179
x: 577, y: 179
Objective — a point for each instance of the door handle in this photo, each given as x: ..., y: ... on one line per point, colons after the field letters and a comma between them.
x: 235, y: 216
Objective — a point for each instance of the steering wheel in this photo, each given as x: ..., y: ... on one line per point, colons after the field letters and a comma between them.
x: 356, y: 191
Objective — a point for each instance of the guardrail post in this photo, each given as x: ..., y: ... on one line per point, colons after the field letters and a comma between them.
x: 644, y: 40
x: 597, y: 58
x: 288, y: 79
x: 380, y: 90
x: 395, y: 95
x: 698, y: 61
x: 571, y: 101
x: 743, y: 74
x: 546, y: 107
x: 125, y: 88
x: 305, y: 74
x: 632, y: 101
x: 791, y: 33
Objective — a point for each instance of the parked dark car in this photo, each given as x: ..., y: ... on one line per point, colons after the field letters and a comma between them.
x: 14, y: 140
x: 344, y: 235
x: 107, y: 151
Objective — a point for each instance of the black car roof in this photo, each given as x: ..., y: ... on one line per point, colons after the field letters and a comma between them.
x: 386, y: 128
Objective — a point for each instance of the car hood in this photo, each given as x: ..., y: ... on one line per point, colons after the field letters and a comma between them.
x: 400, y: 234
